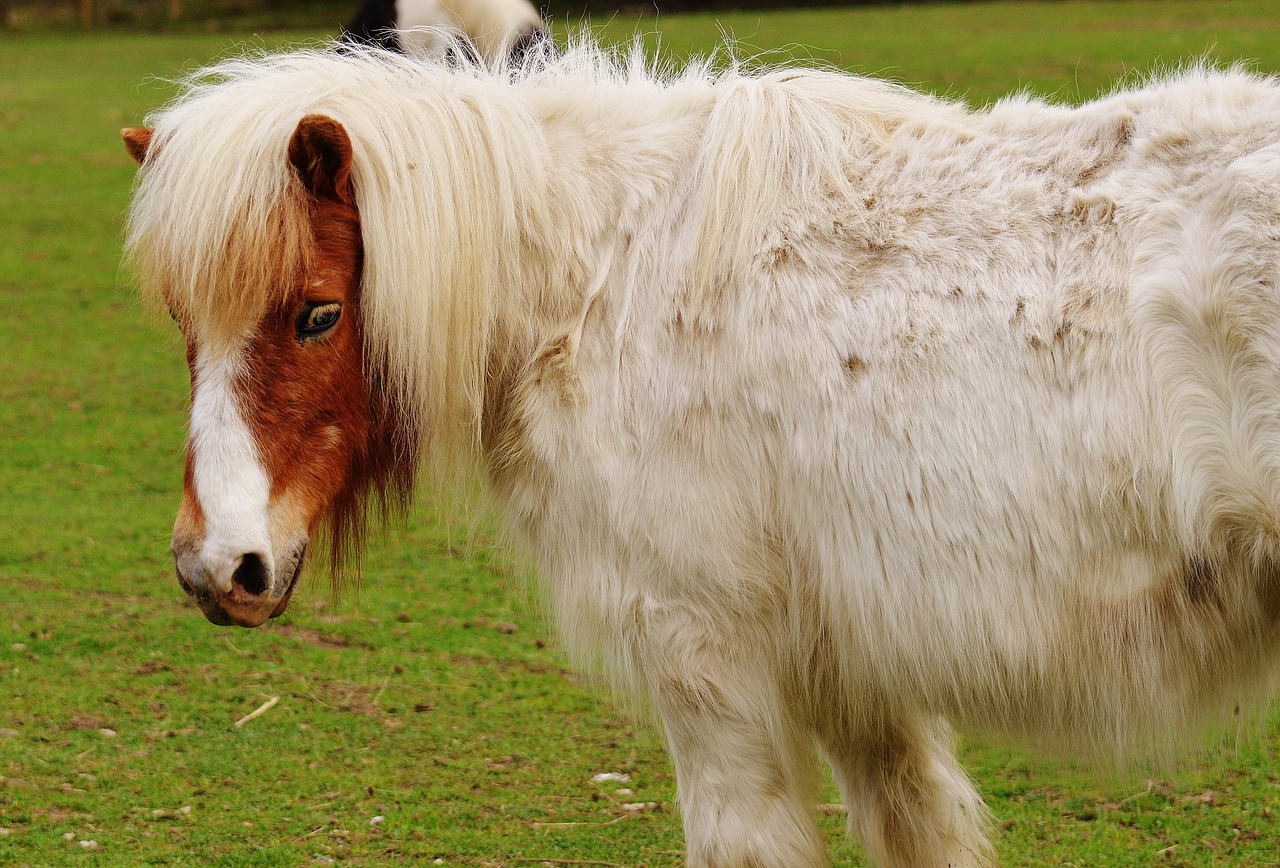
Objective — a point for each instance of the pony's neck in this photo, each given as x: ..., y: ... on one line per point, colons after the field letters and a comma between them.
x: 610, y: 166
x: 609, y: 169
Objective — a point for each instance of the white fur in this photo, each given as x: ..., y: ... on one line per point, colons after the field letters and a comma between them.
x: 828, y: 412
x: 429, y: 26
x: 230, y: 482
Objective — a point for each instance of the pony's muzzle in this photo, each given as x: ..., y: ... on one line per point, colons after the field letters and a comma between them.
x: 243, y: 590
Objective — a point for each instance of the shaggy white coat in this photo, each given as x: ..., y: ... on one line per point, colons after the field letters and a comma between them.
x: 829, y: 413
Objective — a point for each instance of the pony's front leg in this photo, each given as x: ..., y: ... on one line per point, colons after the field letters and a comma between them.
x: 908, y: 799
x: 745, y: 766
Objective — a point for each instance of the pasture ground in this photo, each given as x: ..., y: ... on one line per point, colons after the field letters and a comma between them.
x: 434, y: 698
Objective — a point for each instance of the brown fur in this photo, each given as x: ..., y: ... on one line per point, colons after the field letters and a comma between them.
x: 329, y: 431
x: 136, y: 142
x: 334, y: 443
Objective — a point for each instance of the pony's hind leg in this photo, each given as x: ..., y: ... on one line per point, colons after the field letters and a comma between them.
x: 908, y: 799
x: 746, y: 768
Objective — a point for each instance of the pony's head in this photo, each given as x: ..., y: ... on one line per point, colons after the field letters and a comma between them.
x: 354, y: 245
x: 290, y: 425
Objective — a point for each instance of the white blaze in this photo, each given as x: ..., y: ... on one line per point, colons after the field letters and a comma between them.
x: 231, y: 484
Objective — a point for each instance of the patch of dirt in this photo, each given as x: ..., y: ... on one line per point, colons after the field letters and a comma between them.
x: 346, y: 696
x: 534, y: 666
x: 151, y: 667
x: 56, y: 814
x: 84, y: 721
x: 317, y: 638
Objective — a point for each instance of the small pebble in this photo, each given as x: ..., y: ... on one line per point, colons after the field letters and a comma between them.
x: 611, y: 776
x: 377, y: 821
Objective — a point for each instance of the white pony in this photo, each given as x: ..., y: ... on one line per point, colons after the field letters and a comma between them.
x: 832, y: 415
x: 494, y: 29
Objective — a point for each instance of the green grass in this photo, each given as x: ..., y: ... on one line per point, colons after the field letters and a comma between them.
x: 435, y: 698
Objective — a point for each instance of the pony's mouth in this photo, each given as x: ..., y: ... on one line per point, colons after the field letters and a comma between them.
x: 240, y: 607
x: 293, y: 583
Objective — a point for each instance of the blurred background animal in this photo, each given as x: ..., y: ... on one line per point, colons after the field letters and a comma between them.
x: 493, y: 29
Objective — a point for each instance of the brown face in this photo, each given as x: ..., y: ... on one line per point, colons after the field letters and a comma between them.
x: 282, y: 415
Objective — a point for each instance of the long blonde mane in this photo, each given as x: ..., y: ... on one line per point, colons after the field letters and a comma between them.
x: 464, y: 224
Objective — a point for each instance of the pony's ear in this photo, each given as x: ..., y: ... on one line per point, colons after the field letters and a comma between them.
x: 320, y: 152
x: 136, y: 142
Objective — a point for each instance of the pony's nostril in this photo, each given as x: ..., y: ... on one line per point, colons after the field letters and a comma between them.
x: 251, y: 574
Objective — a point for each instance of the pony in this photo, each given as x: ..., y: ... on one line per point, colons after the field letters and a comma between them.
x: 834, y: 418
x: 493, y: 30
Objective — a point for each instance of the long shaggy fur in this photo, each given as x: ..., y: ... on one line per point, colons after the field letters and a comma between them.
x: 826, y: 410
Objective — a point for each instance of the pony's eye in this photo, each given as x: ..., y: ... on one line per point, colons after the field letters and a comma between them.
x: 317, y: 318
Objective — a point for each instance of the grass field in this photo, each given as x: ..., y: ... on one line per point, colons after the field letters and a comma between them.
x: 435, y: 699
